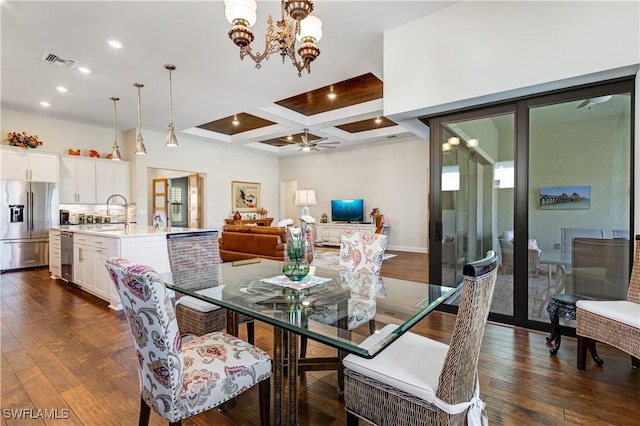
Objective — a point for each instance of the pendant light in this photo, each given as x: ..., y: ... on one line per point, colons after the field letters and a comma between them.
x: 115, y: 153
x: 171, y: 135
x: 140, y: 148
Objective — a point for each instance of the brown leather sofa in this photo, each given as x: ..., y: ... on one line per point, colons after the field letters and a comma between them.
x: 239, y: 242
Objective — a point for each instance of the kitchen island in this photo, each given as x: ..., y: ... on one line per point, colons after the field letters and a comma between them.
x: 94, y: 244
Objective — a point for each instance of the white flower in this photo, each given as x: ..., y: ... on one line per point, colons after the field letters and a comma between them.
x: 296, y: 232
x: 285, y: 222
x: 307, y: 219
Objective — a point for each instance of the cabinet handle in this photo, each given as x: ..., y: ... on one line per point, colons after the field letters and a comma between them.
x: 80, y: 254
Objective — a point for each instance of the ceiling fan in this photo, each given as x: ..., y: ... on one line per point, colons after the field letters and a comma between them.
x: 307, y: 144
x: 589, y: 102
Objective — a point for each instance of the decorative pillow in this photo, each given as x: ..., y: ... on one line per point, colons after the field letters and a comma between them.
x: 533, y: 245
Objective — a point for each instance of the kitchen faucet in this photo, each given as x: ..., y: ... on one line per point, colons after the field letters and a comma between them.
x: 126, y: 208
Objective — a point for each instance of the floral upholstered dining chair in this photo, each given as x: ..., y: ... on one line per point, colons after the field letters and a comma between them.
x: 179, y: 380
x: 361, y: 256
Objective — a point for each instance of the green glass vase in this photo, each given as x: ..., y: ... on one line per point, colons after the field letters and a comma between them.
x: 296, y: 267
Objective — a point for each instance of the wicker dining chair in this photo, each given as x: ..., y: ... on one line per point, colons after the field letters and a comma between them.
x: 419, y: 381
x: 614, y: 322
x: 194, y: 259
x: 180, y: 379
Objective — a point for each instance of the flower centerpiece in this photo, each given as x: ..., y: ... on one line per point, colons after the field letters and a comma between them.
x: 296, y: 266
x: 23, y: 140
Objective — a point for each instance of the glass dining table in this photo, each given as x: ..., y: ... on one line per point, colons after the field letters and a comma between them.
x: 320, y: 307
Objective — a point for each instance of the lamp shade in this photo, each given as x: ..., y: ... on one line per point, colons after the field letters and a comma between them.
x: 241, y: 9
x: 305, y: 197
x: 310, y: 27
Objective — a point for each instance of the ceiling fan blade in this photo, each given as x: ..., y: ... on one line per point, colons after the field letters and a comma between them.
x: 328, y: 143
x: 324, y: 146
x: 584, y: 103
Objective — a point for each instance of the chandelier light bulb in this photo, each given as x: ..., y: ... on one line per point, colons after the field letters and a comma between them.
x: 454, y: 141
x: 472, y: 143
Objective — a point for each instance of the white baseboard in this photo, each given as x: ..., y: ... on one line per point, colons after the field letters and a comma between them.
x: 410, y: 249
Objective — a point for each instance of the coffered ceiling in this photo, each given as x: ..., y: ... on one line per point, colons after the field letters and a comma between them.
x: 212, y: 87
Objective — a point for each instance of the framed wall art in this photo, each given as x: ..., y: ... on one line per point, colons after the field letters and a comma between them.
x: 565, y: 198
x: 245, y: 196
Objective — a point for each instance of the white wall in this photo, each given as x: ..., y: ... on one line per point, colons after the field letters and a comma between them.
x: 221, y: 164
x: 477, y: 52
x: 58, y: 136
x: 391, y: 176
x: 481, y: 51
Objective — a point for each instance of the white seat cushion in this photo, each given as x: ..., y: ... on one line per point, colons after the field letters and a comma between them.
x: 197, y: 304
x: 622, y: 311
x: 412, y: 363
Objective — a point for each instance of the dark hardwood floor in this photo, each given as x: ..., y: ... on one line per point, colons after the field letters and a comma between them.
x: 63, y: 349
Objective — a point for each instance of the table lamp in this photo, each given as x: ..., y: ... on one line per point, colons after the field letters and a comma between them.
x: 305, y: 198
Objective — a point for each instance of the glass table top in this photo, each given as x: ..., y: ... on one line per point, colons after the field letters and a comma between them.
x: 321, y: 306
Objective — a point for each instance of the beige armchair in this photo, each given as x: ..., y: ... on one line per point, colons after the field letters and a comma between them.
x: 506, y: 255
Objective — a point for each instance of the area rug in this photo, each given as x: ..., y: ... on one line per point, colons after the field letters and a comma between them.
x: 330, y: 258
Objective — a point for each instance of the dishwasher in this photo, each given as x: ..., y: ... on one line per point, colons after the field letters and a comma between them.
x: 66, y: 258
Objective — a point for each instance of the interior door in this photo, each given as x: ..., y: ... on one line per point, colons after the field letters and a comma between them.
x: 160, y: 198
x: 193, y: 197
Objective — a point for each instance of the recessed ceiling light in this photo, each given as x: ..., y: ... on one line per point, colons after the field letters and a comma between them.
x: 235, y: 121
x: 289, y: 138
x: 84, y: 70
x: 115, y: 44
x: 332, y: 96
x: 378, y: 120
x: 45, y: 104
x: 61, y: 89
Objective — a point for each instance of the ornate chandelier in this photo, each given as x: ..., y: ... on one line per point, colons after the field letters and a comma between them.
x: 304, y: 28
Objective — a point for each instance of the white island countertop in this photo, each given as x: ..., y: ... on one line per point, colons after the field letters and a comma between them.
x: 119, y: 231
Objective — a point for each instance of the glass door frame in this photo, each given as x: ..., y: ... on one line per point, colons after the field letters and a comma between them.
x: 520, y: 107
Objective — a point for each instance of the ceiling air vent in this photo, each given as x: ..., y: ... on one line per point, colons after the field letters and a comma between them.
x: 58, y: 61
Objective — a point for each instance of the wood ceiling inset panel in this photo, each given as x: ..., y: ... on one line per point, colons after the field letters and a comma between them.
x: 354, y: 91
x: 295, y: 138
x: 368, y: 124
x: 226, y: 126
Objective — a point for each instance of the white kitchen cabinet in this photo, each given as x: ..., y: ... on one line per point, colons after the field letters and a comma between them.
x: 55, y: 254
x: 20, y: 164
x: 77, y: 180
x: 81, y: 264
x: 112, y: 177
x: 141, y: 244
x: 89, y: 255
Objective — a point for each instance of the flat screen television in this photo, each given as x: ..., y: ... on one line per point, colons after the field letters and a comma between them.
x: 347, y: 210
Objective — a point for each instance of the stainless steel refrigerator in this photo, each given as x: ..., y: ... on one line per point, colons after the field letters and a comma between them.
x: 27, y: 210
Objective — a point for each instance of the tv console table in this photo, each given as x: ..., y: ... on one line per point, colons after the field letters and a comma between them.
x: 328, y: 234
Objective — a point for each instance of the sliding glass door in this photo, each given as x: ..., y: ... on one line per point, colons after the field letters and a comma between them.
x: 475, y: 196
x: 580, y: 190
x: 545, y: 182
